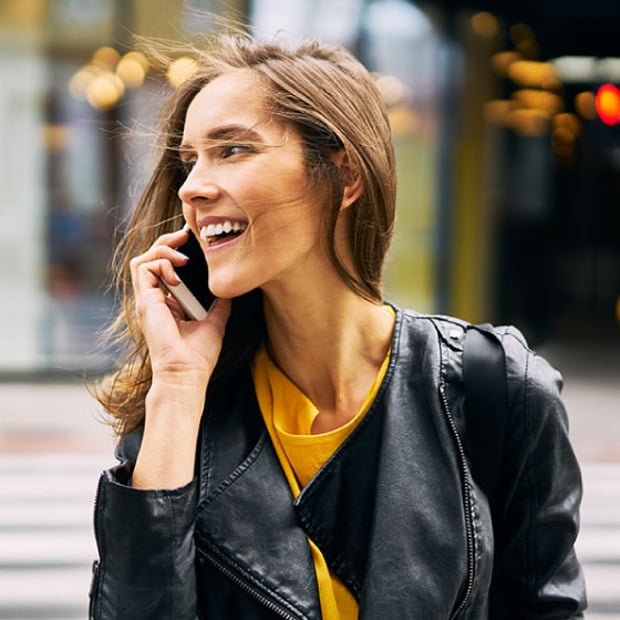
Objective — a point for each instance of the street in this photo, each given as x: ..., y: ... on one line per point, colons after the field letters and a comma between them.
x: 46, y: 540
x: 52, y: 449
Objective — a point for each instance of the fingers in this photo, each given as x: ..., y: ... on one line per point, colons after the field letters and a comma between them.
x: 150, y: 269
x: 162, y: 250
x: 158, y: 253
x: 157, y: 262
x: 173, y: 239
x: 147, y: 270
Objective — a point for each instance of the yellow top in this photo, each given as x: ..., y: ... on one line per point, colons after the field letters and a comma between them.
x: 288, y: 415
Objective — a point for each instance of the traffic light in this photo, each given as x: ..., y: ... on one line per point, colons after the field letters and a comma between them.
x: 608, y: 104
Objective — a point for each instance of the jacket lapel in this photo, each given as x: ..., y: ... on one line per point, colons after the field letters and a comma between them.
x: 246, y: 515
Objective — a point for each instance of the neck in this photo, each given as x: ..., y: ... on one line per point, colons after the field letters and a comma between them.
x: 331, y: 346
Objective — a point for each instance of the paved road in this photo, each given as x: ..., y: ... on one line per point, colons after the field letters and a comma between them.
x: 598, y: 545
x: 46, y: 541
x: 52, y: 449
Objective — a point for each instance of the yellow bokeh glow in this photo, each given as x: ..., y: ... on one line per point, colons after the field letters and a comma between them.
x: 585, y: 105
x: 106, y: 58
x: 181, y: 69
x: 105, y: 91
x: 131, y: 71
x: 485, y: 24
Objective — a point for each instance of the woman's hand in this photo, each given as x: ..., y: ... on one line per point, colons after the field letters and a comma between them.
x: 178, y: 348
x: 183, y: 355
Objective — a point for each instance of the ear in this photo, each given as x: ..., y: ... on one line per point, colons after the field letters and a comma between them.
x: 351, y: 176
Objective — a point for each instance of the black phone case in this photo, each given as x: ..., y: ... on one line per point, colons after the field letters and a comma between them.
x: 195, y: 273
x: 193, y: 292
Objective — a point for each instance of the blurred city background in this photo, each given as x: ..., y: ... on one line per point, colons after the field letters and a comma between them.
x: 506, y: 118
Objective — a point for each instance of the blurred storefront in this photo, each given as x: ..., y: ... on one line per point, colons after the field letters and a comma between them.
x: 483, y: 167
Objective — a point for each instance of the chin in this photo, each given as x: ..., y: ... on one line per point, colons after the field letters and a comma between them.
x: 227, y: 291
x: 233, y: 281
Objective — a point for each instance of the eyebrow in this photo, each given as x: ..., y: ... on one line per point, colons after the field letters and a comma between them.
x: 227, y: 132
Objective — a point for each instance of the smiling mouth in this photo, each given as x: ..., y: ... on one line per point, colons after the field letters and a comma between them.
x: 221, y: 232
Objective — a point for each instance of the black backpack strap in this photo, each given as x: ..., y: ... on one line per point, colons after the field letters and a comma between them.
x: 486, y: 405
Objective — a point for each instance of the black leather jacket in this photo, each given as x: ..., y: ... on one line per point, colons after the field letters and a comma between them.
x: 394, y: 511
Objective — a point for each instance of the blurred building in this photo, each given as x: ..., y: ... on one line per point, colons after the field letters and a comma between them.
x: 509, y: 178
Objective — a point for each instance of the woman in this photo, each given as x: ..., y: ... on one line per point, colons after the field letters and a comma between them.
x: 297, y: 453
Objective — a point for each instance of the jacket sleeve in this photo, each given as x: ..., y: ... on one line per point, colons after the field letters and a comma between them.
x: 146, y: 550
x: 536, y: 573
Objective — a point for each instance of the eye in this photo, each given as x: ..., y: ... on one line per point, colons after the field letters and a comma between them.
x: 230, y: 150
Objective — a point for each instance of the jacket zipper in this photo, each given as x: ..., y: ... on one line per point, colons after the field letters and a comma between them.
x: 262, y: 599
x: 466, y: 502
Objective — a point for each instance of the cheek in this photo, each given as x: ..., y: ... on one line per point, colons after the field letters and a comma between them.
x: 296, y: 222
x: 187, y: 214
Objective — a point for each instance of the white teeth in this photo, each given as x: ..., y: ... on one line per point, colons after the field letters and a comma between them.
x: 214, y: 230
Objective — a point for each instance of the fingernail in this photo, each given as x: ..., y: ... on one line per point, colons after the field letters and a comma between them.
x: 184, y: 256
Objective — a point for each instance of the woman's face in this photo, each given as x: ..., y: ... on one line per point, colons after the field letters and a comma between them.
x: 245, y: 194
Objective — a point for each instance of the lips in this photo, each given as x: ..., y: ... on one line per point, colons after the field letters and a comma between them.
x: 221, y: 231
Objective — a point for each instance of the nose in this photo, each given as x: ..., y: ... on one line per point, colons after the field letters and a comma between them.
x: 197, y: 187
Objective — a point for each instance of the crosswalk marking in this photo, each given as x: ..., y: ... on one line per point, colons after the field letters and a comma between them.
x: 598, y: 545
x: 47, y: 545
x: 46, y: 538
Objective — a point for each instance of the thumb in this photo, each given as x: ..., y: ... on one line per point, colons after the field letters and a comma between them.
x: 220, y: 312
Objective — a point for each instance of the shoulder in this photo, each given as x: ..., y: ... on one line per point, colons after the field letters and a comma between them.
x: 532, y: 380
x: 428, y: 329
x: 528, y: 374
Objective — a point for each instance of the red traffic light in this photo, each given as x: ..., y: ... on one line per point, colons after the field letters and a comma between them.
x: 608, y: 104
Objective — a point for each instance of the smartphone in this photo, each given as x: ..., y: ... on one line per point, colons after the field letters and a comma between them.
x: 193, y: 292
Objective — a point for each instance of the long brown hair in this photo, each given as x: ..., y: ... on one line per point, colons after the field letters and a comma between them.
x: 325, y: 95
